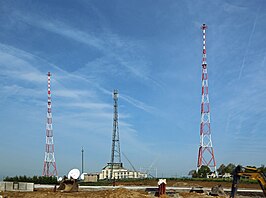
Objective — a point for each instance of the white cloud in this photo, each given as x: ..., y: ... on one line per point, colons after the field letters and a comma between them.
x: 108, y: 43
x: 62, y: 29
x: 73, y: 93
x: 231, y: 8
x: 137, y: 103
x: 16, y: 64
x: 88, y: 105
x: 248, y: 44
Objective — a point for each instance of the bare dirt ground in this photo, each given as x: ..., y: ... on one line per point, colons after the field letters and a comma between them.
x: 41, y: 193
x: 206, y: 184
x: 117, y: 193
x: 124, y: 193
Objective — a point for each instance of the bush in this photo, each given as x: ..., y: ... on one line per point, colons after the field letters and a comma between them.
x: 34, y: 179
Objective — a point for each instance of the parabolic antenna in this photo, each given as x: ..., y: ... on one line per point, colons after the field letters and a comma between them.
x: 74, y: 173
x: 82, y: 176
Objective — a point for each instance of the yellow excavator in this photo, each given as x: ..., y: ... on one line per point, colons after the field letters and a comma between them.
x: 249, y: 172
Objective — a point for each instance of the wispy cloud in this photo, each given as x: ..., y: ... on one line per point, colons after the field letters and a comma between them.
x: 264, y: 59
x: 66, y: 31
x: 107, y: 42
x: 245, y: 112
x: 21, y: 93
x: 231, y: 8
x: 90, y: 111
x: 15, y: 64
x: 89, y: 105
x: 73, y: 93
x: 137, y: 103
x: 248, y: 45
x: 20, y: 66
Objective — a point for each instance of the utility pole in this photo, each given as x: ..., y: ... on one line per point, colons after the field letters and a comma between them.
x: 82, y: 160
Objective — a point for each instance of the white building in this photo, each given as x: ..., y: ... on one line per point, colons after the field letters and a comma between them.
x: 227, y: 175
x: 212, y: 175
x: 120, y: 173
x: 91, y: 177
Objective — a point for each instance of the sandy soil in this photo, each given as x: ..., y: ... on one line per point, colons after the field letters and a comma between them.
x: 41, y: 193
x: 124, y: 193
x: 205, y: 184
x: 117, y: 193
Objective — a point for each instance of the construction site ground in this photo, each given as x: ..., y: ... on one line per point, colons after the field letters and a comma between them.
x: 188, y: 183
x: 126, y: 193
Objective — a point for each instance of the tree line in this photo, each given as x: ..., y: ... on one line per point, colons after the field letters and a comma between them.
x: 34, y: 179
x: 205, y: 170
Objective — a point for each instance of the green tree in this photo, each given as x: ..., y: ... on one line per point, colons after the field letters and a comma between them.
x: 230, y: 168
x: 203, y: 171
x: 193, y: 173
x: 34, y: 179
x: 7, y: 179
x: 221, y: 169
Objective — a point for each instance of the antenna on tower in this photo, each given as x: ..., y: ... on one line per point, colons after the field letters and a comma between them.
x: 49, y: 167
x: 115, y: 154
x: 206, y: 153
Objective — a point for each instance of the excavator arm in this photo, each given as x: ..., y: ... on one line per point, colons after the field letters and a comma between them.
x: 251, y: 173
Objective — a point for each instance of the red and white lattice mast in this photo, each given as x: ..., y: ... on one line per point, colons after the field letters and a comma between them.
x: 206, y: 153
x: 49, y: 167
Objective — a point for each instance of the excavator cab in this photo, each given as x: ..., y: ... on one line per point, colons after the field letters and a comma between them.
x: 250, y: 172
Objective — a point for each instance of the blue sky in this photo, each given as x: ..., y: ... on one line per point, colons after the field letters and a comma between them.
x: 150, y: 51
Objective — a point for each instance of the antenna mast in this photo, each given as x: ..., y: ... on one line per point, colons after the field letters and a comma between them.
x: 82, y: 161
x: 115, y: 155
x: 206, y: 153
x: 49, y: 167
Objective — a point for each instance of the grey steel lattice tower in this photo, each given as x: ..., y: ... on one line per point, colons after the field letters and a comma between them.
x: 206, y: 153
x: 115, y: 155
x: 49, y: 167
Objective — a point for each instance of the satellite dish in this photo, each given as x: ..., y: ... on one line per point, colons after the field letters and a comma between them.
x: 82, y: 176
x: 74, y: 173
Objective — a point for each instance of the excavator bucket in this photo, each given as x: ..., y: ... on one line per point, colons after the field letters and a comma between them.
x: 68, y: 185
